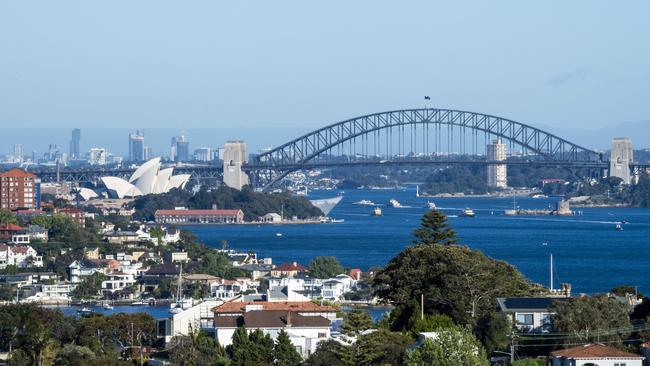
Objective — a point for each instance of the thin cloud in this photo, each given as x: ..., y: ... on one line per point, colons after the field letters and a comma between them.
x: 568, y: 77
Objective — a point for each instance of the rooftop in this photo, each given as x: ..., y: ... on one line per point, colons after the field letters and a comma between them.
x: 591, y: 351
x: 197, y: 212
x: 527, y: 303
x: 290, y: 267
x: 270, y: 319
x: 300, y: 306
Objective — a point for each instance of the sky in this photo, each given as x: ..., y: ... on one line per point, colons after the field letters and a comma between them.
x: 299, y: 65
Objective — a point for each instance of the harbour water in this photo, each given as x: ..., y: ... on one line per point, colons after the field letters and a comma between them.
x: 588, y: 252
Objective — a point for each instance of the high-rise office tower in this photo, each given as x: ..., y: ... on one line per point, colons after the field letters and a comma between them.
x: 18, y: 153
x: 180, y: 149
x: 136, y: 147
x: 74, y: 144
x: 497, y: 175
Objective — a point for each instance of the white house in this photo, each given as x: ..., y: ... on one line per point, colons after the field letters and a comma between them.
x: 529, y: 314
x: 79, y: 269
x: 305, y: 331
x: 334, y: 288
x: 116, y: 281
x: 595, y: 355
x: 22, y: 256
x: 223, y: 289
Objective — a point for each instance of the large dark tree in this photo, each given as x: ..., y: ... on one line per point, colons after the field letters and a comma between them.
x: 355, y: 322
x: 453, y: 280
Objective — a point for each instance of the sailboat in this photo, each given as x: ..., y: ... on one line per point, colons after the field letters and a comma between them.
x: 181, y: 303
x: 417, y: 191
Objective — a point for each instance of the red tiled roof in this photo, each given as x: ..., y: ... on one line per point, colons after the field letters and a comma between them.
x: 594, y: 351
x: 20, y: 249
x: 17, y: 172
x: 271, y: 319
x: 197, y: 212
x: 299, y: 306
x: 290, y: 267
x: 10, y: 227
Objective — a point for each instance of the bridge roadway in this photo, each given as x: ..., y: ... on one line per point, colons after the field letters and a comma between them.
x: 212, y: 171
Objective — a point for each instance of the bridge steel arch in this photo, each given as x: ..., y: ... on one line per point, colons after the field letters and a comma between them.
x: 311, y: 145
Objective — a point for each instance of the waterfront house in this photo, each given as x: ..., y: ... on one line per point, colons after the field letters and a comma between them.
x: 529, y: 314
x: 595, y: 355
x: 271, y: 218
x: 288, y: 270
x: 116, y: 281
x: 80, y: 269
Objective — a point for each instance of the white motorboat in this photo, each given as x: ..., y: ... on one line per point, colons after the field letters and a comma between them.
x: 431, y: 205
x: 468, y: 212
x: 394, y: 203
x: 107, y: 306
x: 364, y: 203
x: 376, y: 211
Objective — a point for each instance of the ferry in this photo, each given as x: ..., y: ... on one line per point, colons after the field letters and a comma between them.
x: 364, y: 203
x: 468, y: 212
x: 376, y: 211
x: 394, y: 203
x: 431, y: 205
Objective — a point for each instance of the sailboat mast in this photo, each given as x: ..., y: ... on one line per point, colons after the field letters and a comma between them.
x: 551, y: 272
x: 178, y: 289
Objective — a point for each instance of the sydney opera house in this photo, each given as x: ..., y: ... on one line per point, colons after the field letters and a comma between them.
x: 147, y: 179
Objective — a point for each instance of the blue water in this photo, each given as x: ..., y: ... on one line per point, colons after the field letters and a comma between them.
x: 155, y: 311
x: 588, y: 252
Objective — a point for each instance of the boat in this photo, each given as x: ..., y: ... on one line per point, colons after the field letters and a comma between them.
x: 181, y: 302
x: 278, y: 234
x: 329, y: 220
x: 85, y: 310
x: 394, y: 203
x: 327, y: 204
x: 417, y: 191
x: 376, y: 211
x: 138, y: 303
x: 107, y: 307
x: 364, y: 203
x: 431, y: 205
x: 337, y: 221
x: 619, y: 227
x: 468, y: 212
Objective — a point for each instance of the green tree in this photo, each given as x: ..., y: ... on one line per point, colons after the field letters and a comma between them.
x: 284, y: 352
x: 355, y: 322
x: 73, y: 355
x: 434, y: 230
x: 430, y: 323
x: 89, y: 287
x: 157, y: 233
x: 494, y: 332
x: 325, y: 267
x: 623, y: 290
x: 7, y: 217
x: 381, y: 347
x: 197, y: 349
x: 592, y: 318
x: 331, y: 353
x: 529, y: 362
x: 452, y: 347
x: 454, y: 280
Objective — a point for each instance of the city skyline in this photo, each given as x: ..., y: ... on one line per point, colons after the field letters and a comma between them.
x: 129, y: 68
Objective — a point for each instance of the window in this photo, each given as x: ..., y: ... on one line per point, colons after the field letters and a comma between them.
x: 525, y: 319
x: 619, y: 363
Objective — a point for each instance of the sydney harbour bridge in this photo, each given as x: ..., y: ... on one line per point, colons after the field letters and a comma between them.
x: 403, y: 137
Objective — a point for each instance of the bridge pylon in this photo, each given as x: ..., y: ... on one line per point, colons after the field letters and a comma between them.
x: 234, y: 156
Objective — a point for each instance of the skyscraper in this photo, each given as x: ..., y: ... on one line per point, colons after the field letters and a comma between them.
x: 74, y: 144
x: 18, y: 153
x: 180, y: 149
x: 497, y: 175
x: 136, y: 147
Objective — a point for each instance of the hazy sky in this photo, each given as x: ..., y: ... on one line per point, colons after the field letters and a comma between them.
x: 197, y: 64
